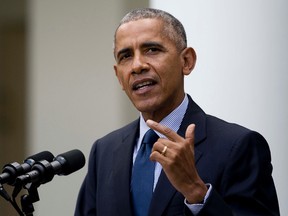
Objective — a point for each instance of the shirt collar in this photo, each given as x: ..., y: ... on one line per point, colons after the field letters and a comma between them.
x: 173, y: 120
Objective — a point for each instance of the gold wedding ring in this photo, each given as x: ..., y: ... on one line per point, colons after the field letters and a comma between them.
x: 164, y: 150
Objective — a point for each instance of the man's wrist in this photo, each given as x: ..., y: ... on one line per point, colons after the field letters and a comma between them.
x: 196, y: 207
x: 203, y: 201
x: 198, y: 195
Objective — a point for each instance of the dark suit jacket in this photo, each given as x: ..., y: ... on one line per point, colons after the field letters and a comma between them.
x: 233, y: 159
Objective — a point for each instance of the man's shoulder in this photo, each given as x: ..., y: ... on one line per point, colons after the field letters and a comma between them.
x: 229, y: 131
x: 221, y: 124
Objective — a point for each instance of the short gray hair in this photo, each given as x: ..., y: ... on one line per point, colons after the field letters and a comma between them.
x: 173, y: 28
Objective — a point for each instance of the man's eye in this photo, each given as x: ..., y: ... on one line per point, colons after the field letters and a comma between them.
x: 152, y: 49
x: 124, y: 56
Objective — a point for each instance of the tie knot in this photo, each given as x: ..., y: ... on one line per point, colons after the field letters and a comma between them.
x: 150, y: 137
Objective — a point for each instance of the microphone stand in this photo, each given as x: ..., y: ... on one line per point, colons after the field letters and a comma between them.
x: 3, y: 193
x: 27, y: 200
x: 13, y: 202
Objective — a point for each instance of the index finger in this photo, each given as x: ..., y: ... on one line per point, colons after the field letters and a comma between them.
x: 168, y: 132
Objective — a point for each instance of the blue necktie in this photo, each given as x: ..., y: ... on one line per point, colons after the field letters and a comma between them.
x: 143, y: 175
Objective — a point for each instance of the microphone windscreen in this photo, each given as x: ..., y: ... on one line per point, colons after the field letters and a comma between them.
x: 44, y: 155
x: 71, y: 161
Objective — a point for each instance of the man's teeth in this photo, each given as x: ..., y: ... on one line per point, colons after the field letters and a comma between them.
x: 143, y: 84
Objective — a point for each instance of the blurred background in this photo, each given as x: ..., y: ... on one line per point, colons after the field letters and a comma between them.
x: 58, y: 90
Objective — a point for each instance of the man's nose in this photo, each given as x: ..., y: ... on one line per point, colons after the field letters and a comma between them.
x: 139, y: 64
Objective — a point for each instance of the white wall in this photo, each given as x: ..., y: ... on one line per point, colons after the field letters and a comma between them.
x: 241, y: 74
x: 74, y: 97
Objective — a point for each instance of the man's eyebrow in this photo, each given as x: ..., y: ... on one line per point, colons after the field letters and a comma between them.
x: 152, y: 44
x: 144, y: 45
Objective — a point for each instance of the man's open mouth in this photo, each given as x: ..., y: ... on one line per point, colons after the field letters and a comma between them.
x: 143, y: 85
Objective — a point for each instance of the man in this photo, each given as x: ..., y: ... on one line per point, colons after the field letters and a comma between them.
x: 201, y: 164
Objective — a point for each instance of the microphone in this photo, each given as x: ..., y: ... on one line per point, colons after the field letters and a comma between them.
x: 43, y: 171
x: 11, y: 171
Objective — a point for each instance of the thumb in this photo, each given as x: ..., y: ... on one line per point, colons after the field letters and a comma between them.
x: 190, y: 133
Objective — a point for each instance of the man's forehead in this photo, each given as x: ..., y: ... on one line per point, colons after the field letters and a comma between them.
x: 145, y: 23
x: 141, y: 30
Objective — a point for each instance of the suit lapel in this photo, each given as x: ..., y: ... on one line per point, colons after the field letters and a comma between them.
x: 122, y: 160
x: 163, y: 193
x: 194, y: 115
x: 164, y: 190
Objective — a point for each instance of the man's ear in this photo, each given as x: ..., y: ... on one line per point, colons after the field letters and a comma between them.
x: 189, y: 58
x: 118, y: 77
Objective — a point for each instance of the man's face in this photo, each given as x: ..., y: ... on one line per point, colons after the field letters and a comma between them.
x: 149, y: 67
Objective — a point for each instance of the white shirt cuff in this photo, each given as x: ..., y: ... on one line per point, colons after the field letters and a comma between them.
x: 196, y: 208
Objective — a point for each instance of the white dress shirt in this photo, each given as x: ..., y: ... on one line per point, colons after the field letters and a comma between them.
x: 173, y: 121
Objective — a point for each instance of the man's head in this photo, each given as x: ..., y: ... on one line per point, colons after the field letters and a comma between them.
x: 173, y: 28
x: 151, y: 61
